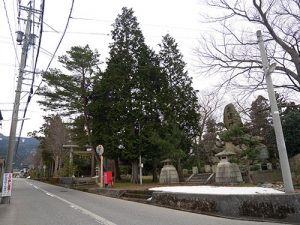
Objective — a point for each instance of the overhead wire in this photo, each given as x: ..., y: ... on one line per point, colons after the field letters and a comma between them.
x: 78, y: 32
x: 31, y: 93
x: 34, y: 71
x: 60, y: 41
x: 33, y: 74
x: 146, y: 24
x: 10, y: 30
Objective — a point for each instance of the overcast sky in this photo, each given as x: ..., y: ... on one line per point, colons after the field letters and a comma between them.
x: 179, y: 18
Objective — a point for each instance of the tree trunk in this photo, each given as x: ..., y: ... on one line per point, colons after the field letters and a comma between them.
x: 50, y: 169
x: 117, y: 172
x: 60, y: 162
x: 135, y: 173
x: 154, y: 171
x: 179, y: 169
x: 248, y: 172
x: 56, y: 165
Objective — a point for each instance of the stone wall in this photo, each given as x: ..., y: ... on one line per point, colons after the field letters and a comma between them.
x: 115, y: 193
x: 272, y: 206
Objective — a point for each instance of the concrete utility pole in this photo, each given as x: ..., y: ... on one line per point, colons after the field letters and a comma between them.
x: 284, y: 162
x: 14, y: 121
x: 141, y: 169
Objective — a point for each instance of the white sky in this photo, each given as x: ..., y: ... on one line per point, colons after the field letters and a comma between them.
x: 157, y: 17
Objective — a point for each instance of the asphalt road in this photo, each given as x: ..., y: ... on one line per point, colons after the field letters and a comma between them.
x: 36, y: 203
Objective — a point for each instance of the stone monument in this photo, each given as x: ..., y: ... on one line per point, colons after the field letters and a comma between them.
x: 227, y: 172
x: 231, y: 117
x: 168, y: 174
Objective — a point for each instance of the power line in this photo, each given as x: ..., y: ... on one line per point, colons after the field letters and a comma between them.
x: 46, y: 52
x: 78, y: 32
x: 31, y: 93
x: 146, y: 24
x: 60, y: 41
x: 50, y: 27
x: 34, y: 70
x: 11, y: 35
x: 33, y: 76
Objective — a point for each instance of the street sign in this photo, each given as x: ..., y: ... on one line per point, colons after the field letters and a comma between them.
x: 100, y: 150
x: 7, y: 184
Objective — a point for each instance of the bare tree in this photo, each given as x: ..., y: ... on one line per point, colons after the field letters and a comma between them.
x: 233, y: 51
x: 55, y: 137
x: 209, y: 104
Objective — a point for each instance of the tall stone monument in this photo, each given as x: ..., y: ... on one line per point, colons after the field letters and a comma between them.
x: 226, y: 171
x: 231, y: 117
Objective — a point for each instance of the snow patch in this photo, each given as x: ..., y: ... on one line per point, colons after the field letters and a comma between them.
x: 216, y: 190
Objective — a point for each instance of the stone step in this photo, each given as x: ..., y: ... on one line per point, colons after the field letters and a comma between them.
x: 199, y: 178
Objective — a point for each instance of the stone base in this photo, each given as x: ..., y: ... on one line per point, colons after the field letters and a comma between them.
x: 228, y: 173
x: 282, y: 207
x: 168, y: 175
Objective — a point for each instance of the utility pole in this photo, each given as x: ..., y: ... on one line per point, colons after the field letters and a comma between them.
x: 284, y: 162
x: 14, y: 121
x: 141, y: 169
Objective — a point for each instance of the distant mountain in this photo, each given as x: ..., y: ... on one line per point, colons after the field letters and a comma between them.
x: 27, y: 147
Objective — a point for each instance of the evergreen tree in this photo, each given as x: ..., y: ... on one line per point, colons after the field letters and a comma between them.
x: 70, y: 94
x: 260, y: 117
x: 290, y: 119
x: 127, y: 95
x: 181, y: 105
x: 291, y: 130
x: 209, y: 140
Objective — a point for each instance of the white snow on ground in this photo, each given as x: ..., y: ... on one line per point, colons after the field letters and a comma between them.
x: 218, y: 190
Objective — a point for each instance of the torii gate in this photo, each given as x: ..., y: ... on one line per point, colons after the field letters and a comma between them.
x: 89, y: 153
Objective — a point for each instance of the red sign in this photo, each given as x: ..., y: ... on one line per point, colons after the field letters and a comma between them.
x: 7, y: 184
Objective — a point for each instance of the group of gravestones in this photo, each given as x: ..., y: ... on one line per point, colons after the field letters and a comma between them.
x: 226, y: 171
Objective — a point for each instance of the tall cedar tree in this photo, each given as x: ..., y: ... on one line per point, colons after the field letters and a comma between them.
x: 127, y: 95
x: 260, y: 117
x: 69, y: 94
x: 290, y: 118
x: 182, y: 105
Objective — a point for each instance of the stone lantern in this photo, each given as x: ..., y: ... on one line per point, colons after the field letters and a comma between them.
x: 168, y: 174
x: 226, y: 172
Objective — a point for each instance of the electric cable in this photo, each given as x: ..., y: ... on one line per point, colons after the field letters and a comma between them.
x: 11, y: 35
x: 31, y: 94
x: 33, y: 75
x: 146, y: 24
x: 60, y: 41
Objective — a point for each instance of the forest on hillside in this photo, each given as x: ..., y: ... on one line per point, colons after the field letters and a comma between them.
x: 27, y: 148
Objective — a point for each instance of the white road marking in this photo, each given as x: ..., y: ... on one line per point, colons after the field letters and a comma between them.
x: 99, y: 219
x: 47, y: 193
